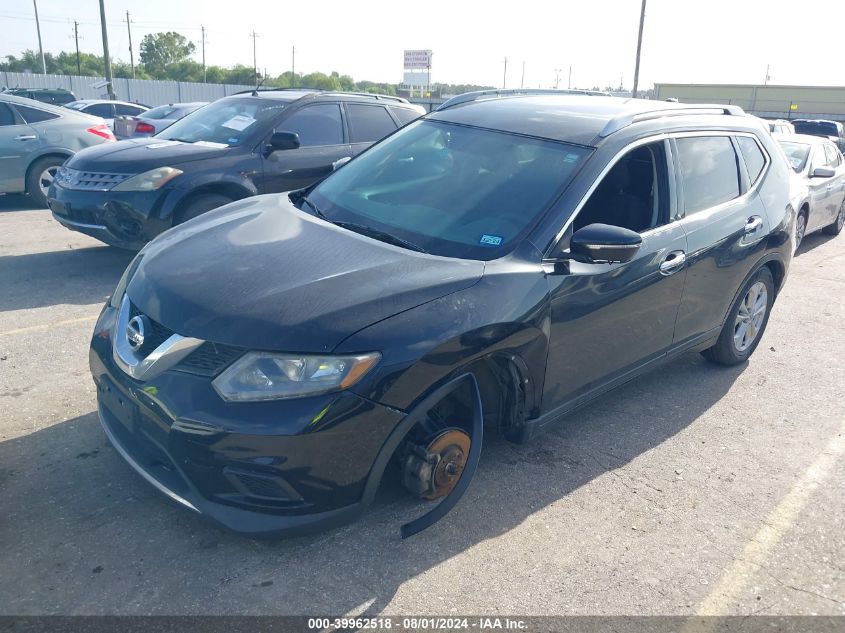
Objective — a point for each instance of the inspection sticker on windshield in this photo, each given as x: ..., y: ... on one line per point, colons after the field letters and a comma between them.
x: 491, y: 240
x: 239, y: 122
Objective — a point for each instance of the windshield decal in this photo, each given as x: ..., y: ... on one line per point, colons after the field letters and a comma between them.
x: 491, y: 240
x: 239, y: 122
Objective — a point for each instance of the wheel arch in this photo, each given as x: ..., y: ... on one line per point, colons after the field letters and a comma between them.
x: 232, y: 190
x: 50, y: 154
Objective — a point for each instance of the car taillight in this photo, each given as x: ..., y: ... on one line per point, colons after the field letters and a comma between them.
x: 145, y: 128
x: 102, y: 131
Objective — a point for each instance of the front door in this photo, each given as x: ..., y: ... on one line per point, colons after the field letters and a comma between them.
x: 821, y: 192
x: 608, y: 319
x: 322, y: 143
x: 17, y: 142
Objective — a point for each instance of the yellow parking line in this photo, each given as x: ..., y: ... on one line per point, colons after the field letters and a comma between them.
x: 36, y: 328
x: 723, y: 598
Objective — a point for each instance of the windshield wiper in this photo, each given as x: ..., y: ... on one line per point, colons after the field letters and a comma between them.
x: 181, y: 140
x: 383, y: 236
x: 319, y: 213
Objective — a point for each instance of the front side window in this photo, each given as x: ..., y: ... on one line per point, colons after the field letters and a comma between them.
x: 104, y: 110
x: 316, y: 125
x: 832, y: 155
x: 450, y: 190
x: 633, y: 194
x: 7, y: 117
x: 227, y: 121
x: 709, y: 171
x: 819, y: 158
x: 368, y: 124
x: 755, y: 160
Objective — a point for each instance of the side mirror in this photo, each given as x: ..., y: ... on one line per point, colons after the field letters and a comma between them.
x: 823, y: 172
x: 603, y: 243
x: 283, y: 140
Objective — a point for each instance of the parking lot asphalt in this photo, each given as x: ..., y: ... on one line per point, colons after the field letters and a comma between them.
x: 693, y: 490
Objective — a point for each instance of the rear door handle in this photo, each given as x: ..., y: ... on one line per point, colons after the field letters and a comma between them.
x: 673, y: 262
x: 755, y: 223
x: 26, y: 137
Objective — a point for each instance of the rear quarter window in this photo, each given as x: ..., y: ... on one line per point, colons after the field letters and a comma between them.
x: 368, y: 123
x: 34, y: 115
x: 755, y: 160
x: 405, y: 115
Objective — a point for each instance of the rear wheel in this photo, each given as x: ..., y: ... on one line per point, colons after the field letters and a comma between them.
x: 836, y: 227
x: 40, y: 177
x: 746, y: 321
x: 201, y: 204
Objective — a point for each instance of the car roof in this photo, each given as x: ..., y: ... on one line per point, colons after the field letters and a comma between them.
x: 582, y: 119
x: 805, y: 139
x: 90, y: 101
x: 294, y: 94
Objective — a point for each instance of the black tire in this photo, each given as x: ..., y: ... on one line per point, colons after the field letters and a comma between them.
x: 800, y: 238
x: 34, y: 177
x: 835, y: 228
x: 200, y: 204
x: 727, y: 351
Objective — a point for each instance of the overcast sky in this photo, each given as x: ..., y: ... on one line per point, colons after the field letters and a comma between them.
x: 718, y: 41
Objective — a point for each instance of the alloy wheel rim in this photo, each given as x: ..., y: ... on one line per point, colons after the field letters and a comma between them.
x: 840, y: 219
x: 750, y: 317
x: 46, y: 179
x: 800, y: 227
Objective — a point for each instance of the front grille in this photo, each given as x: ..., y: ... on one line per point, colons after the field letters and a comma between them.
x: 209, y: 359
x: 88, y: 180
x: 152, y: 339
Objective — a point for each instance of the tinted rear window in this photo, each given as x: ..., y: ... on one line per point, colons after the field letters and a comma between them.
x: 755, y: 160
x: 816, y: 128
x: 405, y: 115
x: 368, y: 123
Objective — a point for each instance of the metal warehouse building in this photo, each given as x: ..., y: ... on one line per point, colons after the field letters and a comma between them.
x: 786, y: 102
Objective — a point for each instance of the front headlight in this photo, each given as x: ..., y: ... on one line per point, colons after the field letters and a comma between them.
x: 271, y: 376
x: 149, y: 180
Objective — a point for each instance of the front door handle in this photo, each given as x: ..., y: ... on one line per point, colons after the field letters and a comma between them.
x: 26, y: 137
x: 673, y: 262
x: 754, y: 224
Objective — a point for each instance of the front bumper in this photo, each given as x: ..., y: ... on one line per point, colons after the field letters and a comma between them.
x: 263, y: 469
x: 123, y: 219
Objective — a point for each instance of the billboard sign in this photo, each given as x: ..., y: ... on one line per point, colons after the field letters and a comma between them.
x: 417, y: 59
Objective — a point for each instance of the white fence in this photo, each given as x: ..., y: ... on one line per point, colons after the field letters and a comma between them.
x: 148, y: 92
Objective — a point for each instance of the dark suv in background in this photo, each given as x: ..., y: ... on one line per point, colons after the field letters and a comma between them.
x: 491, y: 266
x: 833, y: 130
x: 55, y: 96
x: 261, y: 142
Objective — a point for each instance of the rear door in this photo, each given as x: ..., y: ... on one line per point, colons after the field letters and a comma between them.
x: 18, y: 141
x: 724, y: 220
x: 322, y: 143
x: 836, y: 187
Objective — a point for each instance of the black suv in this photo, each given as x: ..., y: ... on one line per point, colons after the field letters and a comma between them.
x: 56, y: 96
x: 246, y: 144
x: 491, y: 266
x: 833, y: 130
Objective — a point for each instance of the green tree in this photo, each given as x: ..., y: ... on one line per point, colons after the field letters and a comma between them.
x: 160, y: 50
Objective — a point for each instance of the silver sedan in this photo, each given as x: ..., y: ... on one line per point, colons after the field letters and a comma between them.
x: 820, y: 168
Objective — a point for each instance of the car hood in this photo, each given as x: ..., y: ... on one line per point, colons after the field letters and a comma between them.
x: 134, y: 156
x: 261, y: 274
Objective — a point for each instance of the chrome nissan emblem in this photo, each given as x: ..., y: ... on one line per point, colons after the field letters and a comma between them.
x: 136, y: 330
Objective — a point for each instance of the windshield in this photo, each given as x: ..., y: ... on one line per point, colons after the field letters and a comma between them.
x: 450, y: 190
x: 796, y: 153
x: 816, y: 128
x: 228, y: 121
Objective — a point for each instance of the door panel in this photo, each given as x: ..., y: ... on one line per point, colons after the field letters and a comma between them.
x: 608, y: 319
x: 18, y: 142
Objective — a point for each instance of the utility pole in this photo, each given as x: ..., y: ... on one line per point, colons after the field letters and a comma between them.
x: 522, y: 81
x: 254, y: 35
x: 76, y: 37
x: 569, y: 83
x: 202, y: 28
x: 131, y: 55
x: 505, y: 76
x: 639, y: 48
x: 557, y: 78
x: 293, y: 66
x: 38, y: 28
x: 766, y: 81
x: 106, y: 57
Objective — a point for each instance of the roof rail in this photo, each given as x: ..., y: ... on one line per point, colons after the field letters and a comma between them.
x: 629, y: 118
x: 272, y: 89
x: 371, y: 95
x: 481, y: 94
